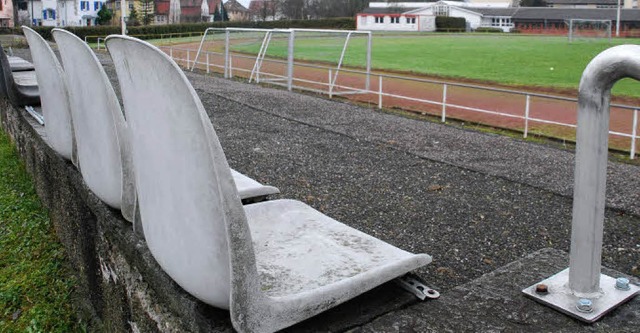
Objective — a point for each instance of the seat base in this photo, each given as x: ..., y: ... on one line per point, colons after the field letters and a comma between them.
x: 300, y: 249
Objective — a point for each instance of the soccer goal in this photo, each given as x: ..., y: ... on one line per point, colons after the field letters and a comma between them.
x: 587, y: 29
x: 273, y: 55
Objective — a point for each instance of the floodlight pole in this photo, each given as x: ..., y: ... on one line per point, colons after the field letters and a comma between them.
x: 618, y: 20
x: 123, y: 12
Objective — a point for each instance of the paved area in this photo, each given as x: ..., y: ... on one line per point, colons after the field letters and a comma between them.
x: 473, y: 201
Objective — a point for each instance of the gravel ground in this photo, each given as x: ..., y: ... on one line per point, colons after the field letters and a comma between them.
x: 474, y: 201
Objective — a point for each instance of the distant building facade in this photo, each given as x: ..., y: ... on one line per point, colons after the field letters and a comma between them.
x: 6, y: 13
x: 61, y: 13
x: 183, y: 11
x: 409, y: 16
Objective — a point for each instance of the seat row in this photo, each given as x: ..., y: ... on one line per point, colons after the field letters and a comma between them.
x: 272, y: 263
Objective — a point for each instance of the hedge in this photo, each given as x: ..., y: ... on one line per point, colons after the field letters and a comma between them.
x: 488, y: 29
x: 346, y: 23
x: 450, y: 24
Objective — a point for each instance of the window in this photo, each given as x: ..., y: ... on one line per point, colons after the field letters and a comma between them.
x: 441, y: 10
x: 379, y: 19
x: 84, y: 5
x: 96, y: 5
x: 395, y: 19
x: 130, y: 6
x: 49, y: 14
x: 117, y: 6
x: 411, y: 20
x: 501, y: 22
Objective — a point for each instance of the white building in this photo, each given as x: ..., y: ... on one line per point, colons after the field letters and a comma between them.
x: 62, y: 13
x: 420, y: 16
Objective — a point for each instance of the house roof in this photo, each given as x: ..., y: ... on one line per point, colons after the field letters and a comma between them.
x: 234, y: 6
x: 536, y: 13
x: 378, y: 10
x: 582, y: 2
x: 487, y: 11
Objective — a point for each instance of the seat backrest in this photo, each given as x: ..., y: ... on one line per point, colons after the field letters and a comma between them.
x: 189, y: 205
x: 6, y: 77
x: 53, y: 94
x: 101, y: 135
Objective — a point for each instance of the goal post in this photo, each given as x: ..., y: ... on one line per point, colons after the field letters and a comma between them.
x: 589, y: 29
x: 284, y: 49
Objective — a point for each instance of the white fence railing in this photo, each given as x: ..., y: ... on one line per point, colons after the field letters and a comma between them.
x: 313, y: 83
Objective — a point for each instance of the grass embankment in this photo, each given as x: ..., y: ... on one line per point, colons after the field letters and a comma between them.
x: 35, y: 286
x: 496, y: 58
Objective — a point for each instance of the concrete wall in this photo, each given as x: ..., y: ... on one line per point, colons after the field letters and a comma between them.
x: 119, y: 285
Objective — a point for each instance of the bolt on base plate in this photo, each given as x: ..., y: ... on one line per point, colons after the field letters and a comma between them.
x: 560, y: 297
x: 414, y: 286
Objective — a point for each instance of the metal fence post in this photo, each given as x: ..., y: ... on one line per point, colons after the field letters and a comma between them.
x: 369, y: 42
x: 526, y: 117
x: 634, y: 134
x: 226, y: 54
x: 208, y: 70
x: 171, y: 52
x: 380, y: 92
x: 189, y: 61
x: 292, y: 36
x: 330, y: 85
x: 444, y: 103
x: 230, y: 67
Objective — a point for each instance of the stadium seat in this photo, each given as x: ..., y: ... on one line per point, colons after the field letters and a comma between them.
x: 52, y: 88
x: 274, y: 263
x: 102, y: 138
x: 17, y: 84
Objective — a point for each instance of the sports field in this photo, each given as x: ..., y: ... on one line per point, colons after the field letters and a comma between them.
x: 505, y: 59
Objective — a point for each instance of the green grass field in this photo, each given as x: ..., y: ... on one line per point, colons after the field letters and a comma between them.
x: 507, y: 59
x: 35, y: 286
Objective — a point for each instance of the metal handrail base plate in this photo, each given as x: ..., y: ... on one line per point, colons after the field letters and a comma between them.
x: 560, y: 297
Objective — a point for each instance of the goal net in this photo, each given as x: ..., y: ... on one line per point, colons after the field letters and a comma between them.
x: 586, y: 29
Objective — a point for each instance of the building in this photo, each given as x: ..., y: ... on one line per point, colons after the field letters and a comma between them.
x: 176, y: 11
x: 421, y: 16
x: 62, y: 13
x: 236, y: 11
x: 6, y: 13
x: 401, y: 17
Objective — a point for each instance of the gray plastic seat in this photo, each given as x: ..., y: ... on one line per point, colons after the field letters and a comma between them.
x: 18, y: 64
x: 20, y: 87
x: 274, y: 263
x: 102, y: 139
x: 53, y: 95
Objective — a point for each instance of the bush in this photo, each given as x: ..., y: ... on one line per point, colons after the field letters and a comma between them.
x: 451, y: 24
x: 152, y: 31
x: 487, y: 29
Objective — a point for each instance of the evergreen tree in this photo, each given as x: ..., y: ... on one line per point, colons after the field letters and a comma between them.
x: 104, y: 16
x: 132, y: 19
x: 225, y: 16
x: 216, y: 15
